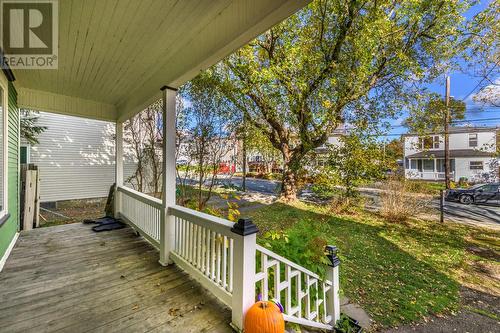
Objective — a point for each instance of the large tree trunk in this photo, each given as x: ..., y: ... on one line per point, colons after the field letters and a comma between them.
x: 291, y: 166
x: 289, y: 186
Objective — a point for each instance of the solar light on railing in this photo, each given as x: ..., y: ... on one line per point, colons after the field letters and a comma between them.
x: 331, y: 254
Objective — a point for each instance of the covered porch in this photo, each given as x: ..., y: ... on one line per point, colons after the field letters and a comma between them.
x: 112, y: 74
x: 428, y: 168
x: 68, y: 278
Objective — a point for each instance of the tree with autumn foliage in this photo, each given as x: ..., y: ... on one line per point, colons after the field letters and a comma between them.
x: 338, y: 61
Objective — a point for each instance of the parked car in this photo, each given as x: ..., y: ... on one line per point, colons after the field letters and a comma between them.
x: 182, y: 162
x: 480, y: 193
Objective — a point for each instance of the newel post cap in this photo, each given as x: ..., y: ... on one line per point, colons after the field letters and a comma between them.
x: 331, y: 254
x: 244, y: 227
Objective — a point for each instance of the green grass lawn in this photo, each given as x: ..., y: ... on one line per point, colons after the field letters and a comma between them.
x: 398, y: 273
x: 426, y: 187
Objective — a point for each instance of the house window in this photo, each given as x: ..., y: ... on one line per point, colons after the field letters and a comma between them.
x: 436, y: 142
x: 413, y: 165
x: 428, y: 165
x: 476, y: 165
x: 473, y: 140
x: 440, y: 165
x: 430, y: 142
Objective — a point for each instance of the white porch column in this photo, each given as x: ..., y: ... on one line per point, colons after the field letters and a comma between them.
x: 168, y: 177
x: 243, y: 271
x: 332, y: 274
x: 118, y: 165
x: 435, y: 168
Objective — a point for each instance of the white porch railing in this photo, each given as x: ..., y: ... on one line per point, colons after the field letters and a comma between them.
x: 222, y: 255
x: 305, y: 296
x: 428, y: 175
x: 141, y: 211
x: 204, y: 247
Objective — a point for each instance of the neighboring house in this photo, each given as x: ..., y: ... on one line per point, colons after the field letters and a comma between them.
x: 225, y: 151
x: 472, y: 155
x: 334, y: 139
x: 75, y: 157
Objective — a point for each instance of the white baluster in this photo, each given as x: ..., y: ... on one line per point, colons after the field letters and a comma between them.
x: 213, y: 254
x: 231, y: 260
x: 224, y: 262
x: 208, y: 233
x: 265, y: 281
x: 219, y: 246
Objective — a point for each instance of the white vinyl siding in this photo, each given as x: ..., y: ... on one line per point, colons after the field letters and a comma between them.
x: 76, y: 158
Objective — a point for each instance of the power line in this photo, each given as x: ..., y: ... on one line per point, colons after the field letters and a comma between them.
x: 453, y: 122
x: 484, y: 78
x: 472, y: 120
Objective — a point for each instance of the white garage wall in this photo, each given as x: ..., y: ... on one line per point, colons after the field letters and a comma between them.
x: 76, y: 158
x: 462, y: 168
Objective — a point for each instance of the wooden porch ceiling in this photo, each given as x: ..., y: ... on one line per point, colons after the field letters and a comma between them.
x: 115, y: 55
x: 71, y: 279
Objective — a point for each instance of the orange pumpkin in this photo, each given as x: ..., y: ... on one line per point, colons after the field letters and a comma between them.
x: 264, y: 317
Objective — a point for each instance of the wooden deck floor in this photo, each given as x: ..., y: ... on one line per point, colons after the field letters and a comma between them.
x: 70, y: 279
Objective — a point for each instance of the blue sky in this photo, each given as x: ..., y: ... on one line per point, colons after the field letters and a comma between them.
x: 462, y: 86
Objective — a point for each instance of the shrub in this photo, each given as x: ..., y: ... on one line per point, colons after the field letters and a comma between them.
x: 398, y: 203
x: 421, y: 186
x: 463, y: 182
x: 324, y: 183
x: 345, y: 204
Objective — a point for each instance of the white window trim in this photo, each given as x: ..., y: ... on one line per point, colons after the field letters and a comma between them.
x: 476, y: 139
x: 5, y: 87
x: 436, y: 139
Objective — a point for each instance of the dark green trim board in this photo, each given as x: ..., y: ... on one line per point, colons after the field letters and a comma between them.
x: 5, y: 68
x: 10, y: 226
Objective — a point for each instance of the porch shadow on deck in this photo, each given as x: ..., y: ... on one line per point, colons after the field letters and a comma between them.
x: 68, y: 278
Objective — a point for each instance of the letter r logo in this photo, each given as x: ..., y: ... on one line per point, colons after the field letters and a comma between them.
x: 27, y: 27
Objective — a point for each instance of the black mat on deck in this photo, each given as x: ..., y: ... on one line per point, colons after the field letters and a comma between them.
x: 105, y: 224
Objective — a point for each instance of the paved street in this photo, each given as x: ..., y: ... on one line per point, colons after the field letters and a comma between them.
x: 255, y: 185
x: 482, y: 215
x: 474, y: 214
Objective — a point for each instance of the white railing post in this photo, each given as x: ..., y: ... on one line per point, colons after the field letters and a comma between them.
x: 118, y: 165
x: 332, y: 274
x: 167, y: 237
x: 243, y: 271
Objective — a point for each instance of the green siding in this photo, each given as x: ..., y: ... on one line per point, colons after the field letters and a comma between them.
x: 9, y: 229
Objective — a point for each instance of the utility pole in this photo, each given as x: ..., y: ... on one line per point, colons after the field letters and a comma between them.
x: 244, y: 155
x: 244, y: 173
x: 447, y: 134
